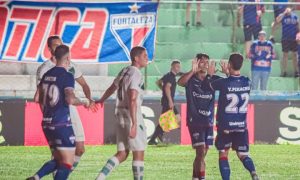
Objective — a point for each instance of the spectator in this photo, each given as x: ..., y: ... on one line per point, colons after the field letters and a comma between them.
x: 261, y: 54
x: 290, y: 27
x: 251, y: 21
x: 168, y: 86
x: 278, y: 9
x: 188, y: 14
x: 298, y: 42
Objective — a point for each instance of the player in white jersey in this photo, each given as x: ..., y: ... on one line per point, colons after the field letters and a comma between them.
x: 53, y: 42
x: 130, y: 130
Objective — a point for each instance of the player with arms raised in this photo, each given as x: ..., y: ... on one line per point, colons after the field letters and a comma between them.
x: 130, y: 129
x: 56, y: 93
x: 231, y: 116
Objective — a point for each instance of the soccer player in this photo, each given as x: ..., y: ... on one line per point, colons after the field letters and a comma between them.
x: 231, y: 116
x: 130, y: 127
x: 290, y: 27
x: 56, y: 93
x: 251, y: 21
x: 200, y: 111
x: 168, y: 86
x: 53, y: 42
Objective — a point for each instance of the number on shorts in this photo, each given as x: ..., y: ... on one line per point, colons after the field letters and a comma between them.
x: 234, y: 101
x: 52, y: 92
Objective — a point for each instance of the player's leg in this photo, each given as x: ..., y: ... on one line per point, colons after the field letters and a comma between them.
x: 120, y: 156
x: 79, y: 135
x: 240, y: 144
x: 188, y: 14
x: 138, y: 146
x: 51, y: 165
x: 223, y: 143
x: 65, y: 152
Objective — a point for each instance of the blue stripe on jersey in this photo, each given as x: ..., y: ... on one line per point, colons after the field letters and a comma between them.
x: 233, y: 102
x: 261, y: 55
x: 289, y: 26
x: 56, y: 110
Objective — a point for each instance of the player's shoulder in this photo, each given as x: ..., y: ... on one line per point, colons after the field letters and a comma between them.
x: 245, y: 78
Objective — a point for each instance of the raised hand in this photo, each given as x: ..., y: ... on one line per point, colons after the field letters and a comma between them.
x: 211, y: 68
x: 224, y: 66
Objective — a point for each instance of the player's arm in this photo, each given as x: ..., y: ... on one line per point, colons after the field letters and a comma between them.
x: 167, y: 90
x: 71, y: 99
x: 183, y: 80
x: 40, y: 96
x: 133, y: 95
x: 109, y: 91
x: 38, y: 80
x: 36, y: 95
x: 85, y: 87
x: 159, y: 83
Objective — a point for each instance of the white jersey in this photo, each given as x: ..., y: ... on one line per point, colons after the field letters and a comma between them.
x: 47, y: 65
x: 129, y: 78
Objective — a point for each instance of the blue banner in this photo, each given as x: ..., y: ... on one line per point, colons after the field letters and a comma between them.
x: 96, y: 32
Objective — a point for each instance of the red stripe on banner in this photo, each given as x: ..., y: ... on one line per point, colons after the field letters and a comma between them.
x: 92, y: 124
x: 185, y: 136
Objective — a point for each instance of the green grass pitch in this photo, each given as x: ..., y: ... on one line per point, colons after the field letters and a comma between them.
x: 172, y: 162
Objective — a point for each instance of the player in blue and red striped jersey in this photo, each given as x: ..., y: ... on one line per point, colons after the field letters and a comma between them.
x: 56, y: 93
x: 231, y: 116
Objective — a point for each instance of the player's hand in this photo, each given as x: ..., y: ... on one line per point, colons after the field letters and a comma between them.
x: 195, y: 65
x: 224, y: 66
x: 211, y: 68
x: 171, y: 105
x: 99, y: 102
x: 132, y: 133
x: 93, y: 107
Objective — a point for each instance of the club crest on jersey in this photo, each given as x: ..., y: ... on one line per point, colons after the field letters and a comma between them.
x: 132, y: 29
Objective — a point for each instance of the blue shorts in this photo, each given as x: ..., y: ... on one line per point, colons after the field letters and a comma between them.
x: 238, y: 141
x: 201, y: 135
x: 60, y: 138
x: 251, y: 30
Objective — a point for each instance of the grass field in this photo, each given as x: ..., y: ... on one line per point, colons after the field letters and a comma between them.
x: 172, y: 162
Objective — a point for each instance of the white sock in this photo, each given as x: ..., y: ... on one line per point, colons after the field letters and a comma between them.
x: 110, y: 165
x: 36, y: 177
x: 138, y: 170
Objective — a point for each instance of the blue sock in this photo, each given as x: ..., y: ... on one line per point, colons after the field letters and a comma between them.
x: 224, y: 168
x: 63, y: 172
x: 47, y: 168
x: 248, y: 164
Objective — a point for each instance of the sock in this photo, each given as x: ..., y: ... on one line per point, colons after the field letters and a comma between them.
x: 63, y: 172
x: 248, y: 164
x: 76, y: 162
x: 202, y: 175
x: 138, y: 170
x: 110, y: 165
x: 46, y: 169
x: 224, y: 168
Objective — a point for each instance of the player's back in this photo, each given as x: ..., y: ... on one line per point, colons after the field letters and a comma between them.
x: 53, y: 83
x: 233, y: 102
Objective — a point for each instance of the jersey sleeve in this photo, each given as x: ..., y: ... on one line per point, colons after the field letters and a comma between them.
x: 167, y: 79
x: 77, y: 71
x: 69, y: 81
x: 216, y: 85
x: 135, y: 81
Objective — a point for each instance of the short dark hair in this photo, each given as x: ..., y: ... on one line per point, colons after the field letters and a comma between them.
x: 236, y: 61
x: 202, y: 55
x: 175, y: 62
x: 136, y: 51
x: 51, y: 38
x: 61, y: 51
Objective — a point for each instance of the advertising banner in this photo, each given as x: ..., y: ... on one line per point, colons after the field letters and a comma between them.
x: 96, y: 32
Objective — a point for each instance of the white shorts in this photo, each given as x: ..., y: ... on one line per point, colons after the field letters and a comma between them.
x: 77, y: 124
x: 124, y: 142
